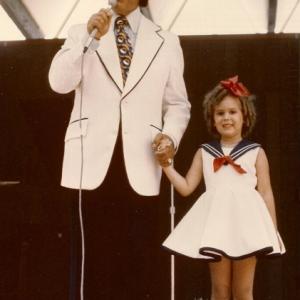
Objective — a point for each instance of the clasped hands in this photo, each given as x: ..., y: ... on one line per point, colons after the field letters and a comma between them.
x: 163, y: 149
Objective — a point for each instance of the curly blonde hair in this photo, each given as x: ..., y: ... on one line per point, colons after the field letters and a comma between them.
x: 215, y: 96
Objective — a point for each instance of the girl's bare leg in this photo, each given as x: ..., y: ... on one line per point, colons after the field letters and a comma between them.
x: 242, y: 278
x: 220, y: 273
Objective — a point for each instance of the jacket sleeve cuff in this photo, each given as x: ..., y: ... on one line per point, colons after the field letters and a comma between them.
x: 94, y: 45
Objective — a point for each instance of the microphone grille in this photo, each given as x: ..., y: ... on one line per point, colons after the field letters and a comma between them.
x: 112, y: 2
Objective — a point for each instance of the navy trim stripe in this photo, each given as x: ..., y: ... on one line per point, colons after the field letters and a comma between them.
x: 214, y: 148
x: 82, y: 119
x: 245, y: 149
x: 214, y: 254
x: 237, y: 151
x: 217, y: 253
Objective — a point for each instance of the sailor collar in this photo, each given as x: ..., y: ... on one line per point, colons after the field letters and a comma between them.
x: 214, y: 148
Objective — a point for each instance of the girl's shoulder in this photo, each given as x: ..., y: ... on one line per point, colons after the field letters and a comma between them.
x: 214, y: 148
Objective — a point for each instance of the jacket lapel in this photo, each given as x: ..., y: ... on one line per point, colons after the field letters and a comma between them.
x: 147, y: 45
x: 109, y: 57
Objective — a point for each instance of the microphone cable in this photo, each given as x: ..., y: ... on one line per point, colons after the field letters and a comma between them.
x: 80, y: 187
x: 111, y: 3
x: 85, y: 49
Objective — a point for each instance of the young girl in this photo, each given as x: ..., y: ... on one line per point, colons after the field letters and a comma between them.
x: 234, y: 221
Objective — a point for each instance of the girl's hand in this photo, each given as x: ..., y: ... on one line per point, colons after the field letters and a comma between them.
x: 185, y: 185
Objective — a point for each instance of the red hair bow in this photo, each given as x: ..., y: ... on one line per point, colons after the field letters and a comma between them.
x: 235, y: 87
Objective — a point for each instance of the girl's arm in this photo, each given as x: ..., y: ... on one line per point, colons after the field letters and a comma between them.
x: 264, y: 183
x: 186, y: 185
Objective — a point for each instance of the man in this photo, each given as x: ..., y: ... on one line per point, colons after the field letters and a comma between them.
x: 121, y: 105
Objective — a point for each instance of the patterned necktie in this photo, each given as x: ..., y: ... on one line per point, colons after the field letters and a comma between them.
x: 124, y: 46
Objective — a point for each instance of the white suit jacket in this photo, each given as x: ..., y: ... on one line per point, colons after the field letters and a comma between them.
x: 154, y: 94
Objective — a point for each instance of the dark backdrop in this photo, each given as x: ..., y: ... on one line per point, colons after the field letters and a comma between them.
x: 34, y: 218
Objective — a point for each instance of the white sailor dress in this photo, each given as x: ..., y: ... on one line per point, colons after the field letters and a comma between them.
x: 230, y: 218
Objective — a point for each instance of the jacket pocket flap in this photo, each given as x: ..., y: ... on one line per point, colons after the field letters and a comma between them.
x: 76, y: 129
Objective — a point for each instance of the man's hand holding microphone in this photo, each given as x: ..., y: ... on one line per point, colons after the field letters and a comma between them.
x: 98, y: 24
x: 100, y: 21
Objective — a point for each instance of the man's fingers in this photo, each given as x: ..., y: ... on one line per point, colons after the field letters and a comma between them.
x: 108, y: 12
x: 100, y: 21
x: 156, y: 142
x: 105, y: 12
x: 158, y: 138
x: 161, y: 143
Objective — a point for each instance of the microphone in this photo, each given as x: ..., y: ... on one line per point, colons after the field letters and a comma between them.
x: 111, y: 4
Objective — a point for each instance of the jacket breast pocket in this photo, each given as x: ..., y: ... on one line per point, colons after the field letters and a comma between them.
x: 76, y: 129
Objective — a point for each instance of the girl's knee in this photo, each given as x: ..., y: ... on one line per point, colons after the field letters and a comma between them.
x: 242, y: 293
x: 221, y: 292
